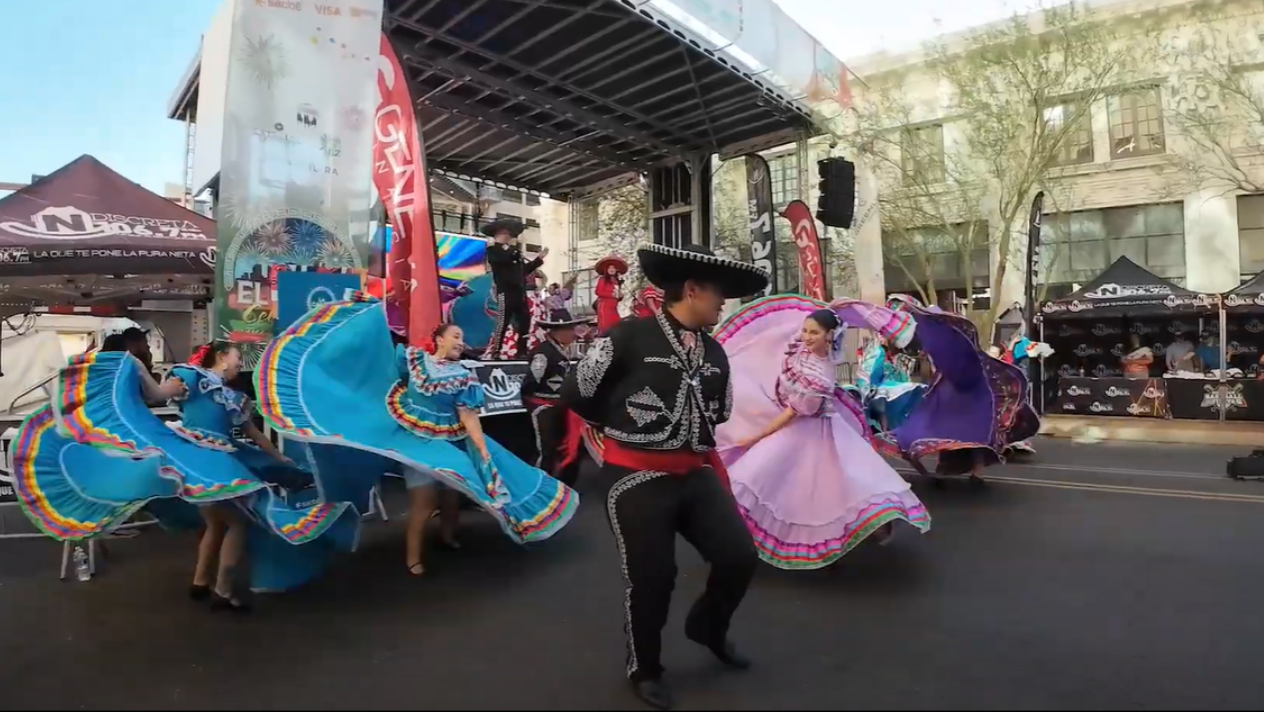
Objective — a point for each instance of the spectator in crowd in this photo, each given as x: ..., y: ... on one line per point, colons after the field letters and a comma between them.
x: 1136, y: 363
x: 1180, y: 354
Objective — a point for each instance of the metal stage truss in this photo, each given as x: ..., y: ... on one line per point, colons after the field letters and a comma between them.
x: 569, y: 97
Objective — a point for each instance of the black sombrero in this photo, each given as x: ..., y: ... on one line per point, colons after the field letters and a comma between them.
x: 513, y: 225
x: 665, y: 266
x: 561, y: 319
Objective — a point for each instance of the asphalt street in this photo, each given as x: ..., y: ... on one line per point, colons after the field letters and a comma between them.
x: 1103, y: 576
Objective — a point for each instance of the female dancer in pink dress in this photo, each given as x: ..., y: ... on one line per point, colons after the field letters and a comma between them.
x: 804, y: 472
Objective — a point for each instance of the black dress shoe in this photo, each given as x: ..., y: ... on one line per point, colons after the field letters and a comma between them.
x: 727, y: 654
x: 654, y: 693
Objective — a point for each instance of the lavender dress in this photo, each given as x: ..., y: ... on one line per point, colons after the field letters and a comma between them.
x: 813, y: 490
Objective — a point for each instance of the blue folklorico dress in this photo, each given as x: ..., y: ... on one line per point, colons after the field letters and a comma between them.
x: 335, y: 380
x: 93, y: 457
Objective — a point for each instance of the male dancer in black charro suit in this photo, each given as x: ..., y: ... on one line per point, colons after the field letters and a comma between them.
x: 509, y: 274
x: 658, y: 387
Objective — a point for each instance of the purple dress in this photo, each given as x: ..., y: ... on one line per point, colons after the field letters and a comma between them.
x: 813, y: 490
x: 976, y: 405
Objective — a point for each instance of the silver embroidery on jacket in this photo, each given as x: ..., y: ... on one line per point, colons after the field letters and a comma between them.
x: 593, y: 368
x: 539, y: 365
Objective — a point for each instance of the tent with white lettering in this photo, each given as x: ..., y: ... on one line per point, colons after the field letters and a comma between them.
x: 85, y: 235
x: 1247, y: 297
x: 1128, y: 289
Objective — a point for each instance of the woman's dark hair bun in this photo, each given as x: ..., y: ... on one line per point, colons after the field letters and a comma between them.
x: 826, y: 318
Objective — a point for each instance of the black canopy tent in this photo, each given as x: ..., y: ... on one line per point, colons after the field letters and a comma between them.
x: 1246, y: 298
x: 1127, y: 289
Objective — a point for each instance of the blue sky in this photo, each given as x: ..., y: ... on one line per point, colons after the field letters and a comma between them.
x: 95, y: 76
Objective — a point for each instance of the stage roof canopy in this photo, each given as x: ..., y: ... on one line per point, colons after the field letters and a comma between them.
x: 568, y: 96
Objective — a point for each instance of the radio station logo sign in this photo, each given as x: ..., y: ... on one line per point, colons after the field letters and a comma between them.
x: 1117, y: 291
x: 1079, y: 391
x: 502, y: 387
x: 72, y: 224
x: 15, y: 256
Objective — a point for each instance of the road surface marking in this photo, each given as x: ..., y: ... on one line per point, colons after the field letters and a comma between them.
x: 1118, y: 471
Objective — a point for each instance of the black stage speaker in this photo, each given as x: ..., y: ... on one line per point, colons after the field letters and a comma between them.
x: 1250, y: 467
x: 837, y: 202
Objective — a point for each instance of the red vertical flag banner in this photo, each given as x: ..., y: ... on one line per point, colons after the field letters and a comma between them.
x: 399, y: 174
x: 811, y: 271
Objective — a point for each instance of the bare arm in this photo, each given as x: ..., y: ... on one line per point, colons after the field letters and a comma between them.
x: 782, y: 420
x: 258, y: 438
x: 155, y: 394
x: 474, y: 430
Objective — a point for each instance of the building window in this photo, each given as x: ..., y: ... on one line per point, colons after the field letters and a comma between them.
x: 532, y: 200
x: 1250, y: 235
x: 783, y: 173
x: 585, y: 220
x: 1076, y: 247
x: 908, y: 256
x: 1075, y: 123
x: 922, y: 154
x: 1136, y: 124
x: 510, y: 195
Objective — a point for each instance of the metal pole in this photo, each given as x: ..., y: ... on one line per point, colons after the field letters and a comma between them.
x: 1222, y: 396
x: 1042, y: 369
x: 695, y: 201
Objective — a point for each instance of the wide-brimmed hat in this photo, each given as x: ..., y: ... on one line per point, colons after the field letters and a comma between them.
x: 665, y: 266
x: 513, y: 225
x: 561, y: 319
x: 605, y: 263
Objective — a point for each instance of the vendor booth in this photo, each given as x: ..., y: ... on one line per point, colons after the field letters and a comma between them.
x: 85, y: 235
x: 1091, y: 331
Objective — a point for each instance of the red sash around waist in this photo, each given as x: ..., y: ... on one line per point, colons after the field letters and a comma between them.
x: 568, y: 445
x: 673, y: 462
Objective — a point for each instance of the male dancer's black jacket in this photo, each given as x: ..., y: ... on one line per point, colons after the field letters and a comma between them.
x: 558, y: 433
x: 659, y: 390
x: 509, y: 274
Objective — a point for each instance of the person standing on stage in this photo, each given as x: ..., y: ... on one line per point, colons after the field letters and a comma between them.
x: 659, y: 387
x: 509, y: 274
x: 609, y: 291
x: 558, y: 298
x: 557, y: 436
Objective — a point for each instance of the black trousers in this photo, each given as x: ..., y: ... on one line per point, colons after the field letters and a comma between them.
x: 514, y: 312
x: 550, y: 431
x: 646, y: 510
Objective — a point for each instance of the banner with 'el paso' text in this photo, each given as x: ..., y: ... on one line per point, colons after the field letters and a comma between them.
x: 295, y: 182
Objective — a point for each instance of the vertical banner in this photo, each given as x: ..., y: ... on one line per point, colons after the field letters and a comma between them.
x: 803, y: 227
x: 399, y: 173
x: 295, y: 183
x: 759, y: 212
x: 1033, y: 257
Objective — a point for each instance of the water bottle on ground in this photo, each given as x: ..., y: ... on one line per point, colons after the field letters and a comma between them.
x: 83, y: 571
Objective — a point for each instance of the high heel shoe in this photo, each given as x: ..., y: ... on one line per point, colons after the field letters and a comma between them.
x: 199, y: 592
x: 417, y: 569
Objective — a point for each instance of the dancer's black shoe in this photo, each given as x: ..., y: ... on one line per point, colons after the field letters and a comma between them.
x: 654, y: 693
